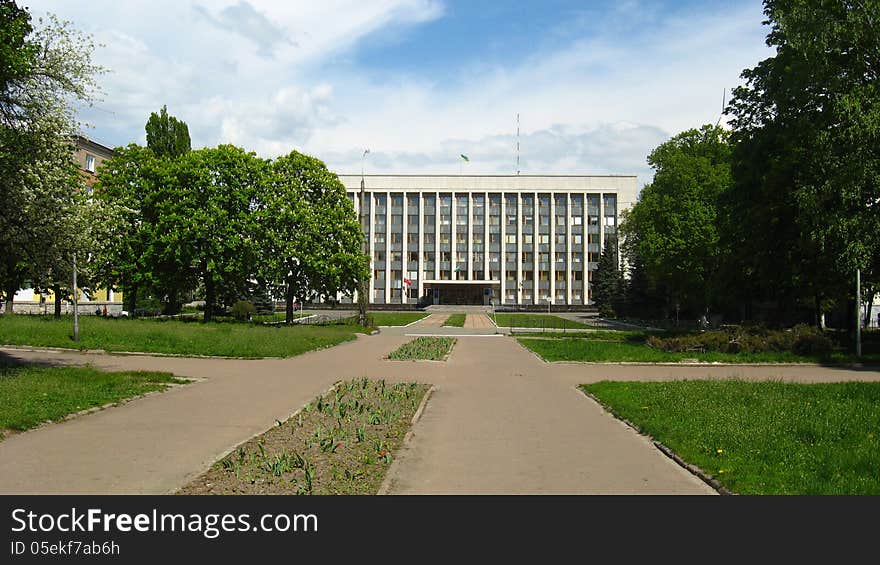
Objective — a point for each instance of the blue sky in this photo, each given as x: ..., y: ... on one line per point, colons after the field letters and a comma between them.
x: 597, y: 84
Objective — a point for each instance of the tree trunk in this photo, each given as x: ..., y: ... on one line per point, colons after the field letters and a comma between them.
x: 56, y: 291
x: 11, y: 289
x: 210, y: 298
x: 130, y: 300
x: 288, y: 303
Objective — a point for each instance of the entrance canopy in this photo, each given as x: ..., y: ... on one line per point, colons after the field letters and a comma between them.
x: 461, y: 292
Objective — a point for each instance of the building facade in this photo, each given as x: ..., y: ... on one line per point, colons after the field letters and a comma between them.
x: 481, y: 239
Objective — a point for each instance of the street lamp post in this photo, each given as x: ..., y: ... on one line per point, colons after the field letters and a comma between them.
x: 75, y: 308
x: 364, y: 285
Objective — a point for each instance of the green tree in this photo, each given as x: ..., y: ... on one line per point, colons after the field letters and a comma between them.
x: 125, y: 218
x: 18, y: 55
x: 672, y: 231
x: 807, y: 163
x: 166, y: 135
x: 608, y: 284
x: 204, y: 224
x: 311, y: 235
x: 44, y: 70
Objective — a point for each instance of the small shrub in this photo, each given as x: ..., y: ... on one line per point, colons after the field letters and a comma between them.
x: 243, y: 310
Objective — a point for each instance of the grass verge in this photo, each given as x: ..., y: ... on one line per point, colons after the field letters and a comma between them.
x: 455, y: 321
x: 424, y: 348
x: 31, y: 395
x: 761, y: 437
x: 536, y: 321
x: 341, y: 443
x: 183, y: 338
x: 395, y: 318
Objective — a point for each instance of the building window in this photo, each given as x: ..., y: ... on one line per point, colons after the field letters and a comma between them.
x: 429, y: 238
x: 380, y: 255
x: 527, y: 239
x: 380, y: 238
x: 576, y: 220
x: 511, y: 238
x: 413, y: 256
x: 544, y: 239
x: 576, y: 239
x: 494, y: 238
x: 396, y: 238
x: 90, y: 163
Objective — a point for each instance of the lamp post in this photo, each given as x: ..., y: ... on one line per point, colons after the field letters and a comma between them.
x: 364, y: 285
x: 75, y: 309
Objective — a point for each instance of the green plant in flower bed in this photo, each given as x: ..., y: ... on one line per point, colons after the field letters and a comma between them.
x: 424, y: 348
x: 340, y: 443
x: 761, y: 437
x: 455, y: 321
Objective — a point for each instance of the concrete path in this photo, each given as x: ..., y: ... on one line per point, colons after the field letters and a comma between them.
x: 430, y: 321
x: 501, y: 420
x: 478, y: 321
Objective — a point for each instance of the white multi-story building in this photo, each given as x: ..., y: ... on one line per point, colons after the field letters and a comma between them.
x: 469, y: 239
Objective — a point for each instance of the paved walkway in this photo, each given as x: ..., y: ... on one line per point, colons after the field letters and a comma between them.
x: 430, y: 321
x: 478, y: 321
x: 501, y: 421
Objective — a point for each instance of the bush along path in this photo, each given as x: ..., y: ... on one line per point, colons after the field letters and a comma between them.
x: 341, y: 443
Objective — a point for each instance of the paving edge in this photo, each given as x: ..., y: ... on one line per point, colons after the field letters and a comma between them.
x: 689, y: 467
x: 386, y: 482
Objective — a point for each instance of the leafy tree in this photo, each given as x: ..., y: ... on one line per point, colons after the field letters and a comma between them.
x: 125, y: 199
x: 672, y: 231
x: 608, y: 285
x: 311, y: 238
x: 18, y: 56
x: 166, y: 135
x: 204, y: 224
x: 807, y: 164
x: 43, y: 70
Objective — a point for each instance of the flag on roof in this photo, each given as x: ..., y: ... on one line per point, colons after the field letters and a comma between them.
x: 465, y: 157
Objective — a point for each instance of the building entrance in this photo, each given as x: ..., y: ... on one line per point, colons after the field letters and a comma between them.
x: 458, y: 293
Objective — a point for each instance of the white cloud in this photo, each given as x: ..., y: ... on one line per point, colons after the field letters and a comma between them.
x: 273, y: 76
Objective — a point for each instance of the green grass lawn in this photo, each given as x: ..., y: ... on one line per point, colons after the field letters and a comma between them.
x: 185, y: 338
x: 31, y: 395
x: 455, y: 321
x: 535, y: 321
x: 424, y: 348
x: 762, y: 437
x: 395, y: 318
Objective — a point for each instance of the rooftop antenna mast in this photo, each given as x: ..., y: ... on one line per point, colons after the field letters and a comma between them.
x: 723, y: 103
x: 517, y: 143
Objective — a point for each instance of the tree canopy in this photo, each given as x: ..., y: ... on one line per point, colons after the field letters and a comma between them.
x: 166, y: 135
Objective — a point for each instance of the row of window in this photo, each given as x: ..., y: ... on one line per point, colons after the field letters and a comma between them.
x: 527, y: 257
x: 478, y: 239
x: 528, y: 276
